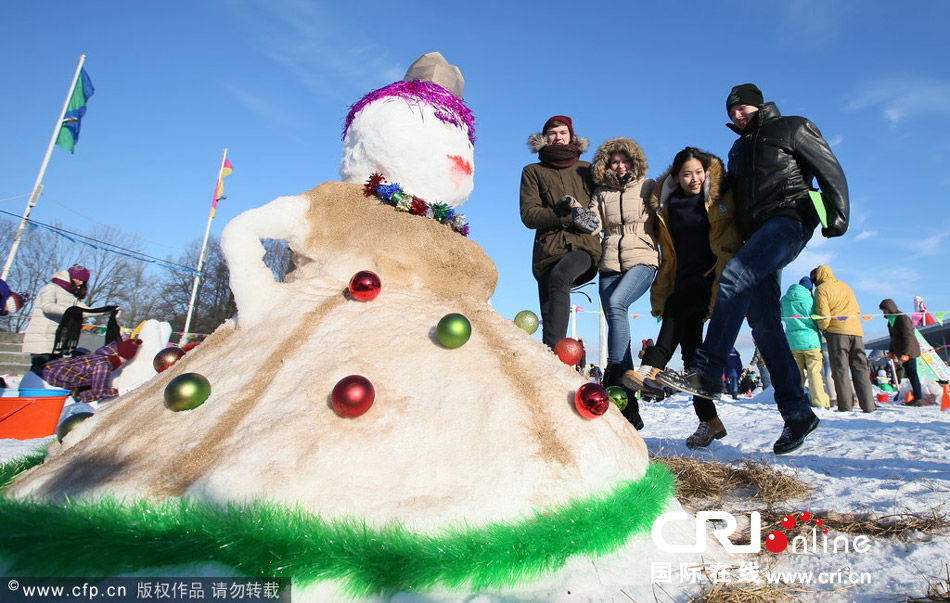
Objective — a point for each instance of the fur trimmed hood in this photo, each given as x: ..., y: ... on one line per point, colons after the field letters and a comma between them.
x: 599, y: 171
x: 666, y: 185
x: 537, y: 141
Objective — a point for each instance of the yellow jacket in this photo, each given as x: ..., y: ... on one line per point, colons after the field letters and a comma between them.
x: 833, y: 298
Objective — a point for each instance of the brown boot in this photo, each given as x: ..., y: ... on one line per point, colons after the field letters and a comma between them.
x: 641, y: 378
x: 706, y: 433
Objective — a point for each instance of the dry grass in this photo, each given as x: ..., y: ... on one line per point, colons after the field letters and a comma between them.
x: 936, y: 591
x: 884, y: 526
x: 708, y: 483
x: 746, y: 592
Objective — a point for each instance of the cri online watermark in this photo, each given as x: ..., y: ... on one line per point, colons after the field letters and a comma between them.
x: 775, y: 541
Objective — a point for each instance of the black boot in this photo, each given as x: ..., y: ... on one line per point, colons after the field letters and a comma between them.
x: 632, y: 412
x: 613, y: 375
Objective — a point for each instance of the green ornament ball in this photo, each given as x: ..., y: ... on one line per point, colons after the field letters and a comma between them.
x: 527, y: 321
x: 70, y: 423
x: 618, y: 396
x: 453, y: 330
x: 186, y: 392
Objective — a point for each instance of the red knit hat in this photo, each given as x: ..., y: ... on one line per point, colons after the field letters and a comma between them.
x: 129, y: 348
x: 80, y: 273
x: 561, y: 118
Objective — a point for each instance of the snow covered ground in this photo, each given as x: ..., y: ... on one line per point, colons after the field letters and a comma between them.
x: 895, y: 460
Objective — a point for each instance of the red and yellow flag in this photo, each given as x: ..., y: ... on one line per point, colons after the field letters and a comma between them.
x: 219, y: 187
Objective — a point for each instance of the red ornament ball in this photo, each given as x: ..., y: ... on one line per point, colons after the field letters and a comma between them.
x: 776, y: 542
x: 352, y: 396
x: 591, y: 400
x: 166, y: 358
x: 819, y: 522
x: 570, y: 351
x: 804, y: 516
x: 364, y: 286
x: 788, y: 522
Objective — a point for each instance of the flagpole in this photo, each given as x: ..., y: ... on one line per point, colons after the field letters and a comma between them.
x: 38, y: 185
x: 204, y: 244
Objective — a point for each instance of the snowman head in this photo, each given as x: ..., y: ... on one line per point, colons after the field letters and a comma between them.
x: 415, y: 133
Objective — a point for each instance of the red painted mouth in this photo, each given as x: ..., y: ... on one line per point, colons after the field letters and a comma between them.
x: 460, y: 169
x: 460, y: 165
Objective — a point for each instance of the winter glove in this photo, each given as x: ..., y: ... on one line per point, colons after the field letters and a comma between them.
x: 585, y: 220
x: 563, y: 205
x: 904, y: 358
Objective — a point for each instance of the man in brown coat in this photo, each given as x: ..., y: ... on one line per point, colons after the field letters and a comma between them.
x: 563, y: 255
x: 841, y: 324
x: 904, y: 346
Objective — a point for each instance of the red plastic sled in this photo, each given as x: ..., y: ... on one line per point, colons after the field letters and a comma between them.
x: 28, y: 418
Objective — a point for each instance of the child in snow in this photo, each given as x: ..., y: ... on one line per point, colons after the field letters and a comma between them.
x: 89, y: 374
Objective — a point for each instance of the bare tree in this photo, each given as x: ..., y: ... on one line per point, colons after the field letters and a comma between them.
x: 278, y: 257
x: 115, y: 276
x: 109, y: 267
x: 140, y: 297
x: 213, y: 303
x: 41, y: 254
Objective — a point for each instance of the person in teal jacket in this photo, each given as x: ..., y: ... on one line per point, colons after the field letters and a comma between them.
x: 804, y: 339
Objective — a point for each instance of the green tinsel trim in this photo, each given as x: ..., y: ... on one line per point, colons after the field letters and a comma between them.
x: 11, y: 469
x: 110, y: 538
x: 439, y: 210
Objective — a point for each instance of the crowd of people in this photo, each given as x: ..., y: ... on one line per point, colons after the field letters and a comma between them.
x: 709, y: 242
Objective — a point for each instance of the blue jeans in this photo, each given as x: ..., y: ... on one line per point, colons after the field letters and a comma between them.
x: 618, y: 290
x: 750, y: 287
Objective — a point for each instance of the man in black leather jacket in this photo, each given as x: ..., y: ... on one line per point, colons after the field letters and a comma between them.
x: 771, y: 169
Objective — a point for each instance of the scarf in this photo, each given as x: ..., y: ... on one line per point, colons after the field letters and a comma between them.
x: 559, y: 155
x: 67, y: 286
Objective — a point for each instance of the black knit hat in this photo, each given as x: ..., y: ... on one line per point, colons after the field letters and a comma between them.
x: 744, y: 94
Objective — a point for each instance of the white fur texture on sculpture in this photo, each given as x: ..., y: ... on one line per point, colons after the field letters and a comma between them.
x: 416, y: 133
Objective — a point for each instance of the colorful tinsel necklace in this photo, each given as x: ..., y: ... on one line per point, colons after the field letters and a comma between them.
x: 392, y: 194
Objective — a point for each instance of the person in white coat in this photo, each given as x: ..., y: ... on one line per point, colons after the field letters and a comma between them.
x: 64, y: 290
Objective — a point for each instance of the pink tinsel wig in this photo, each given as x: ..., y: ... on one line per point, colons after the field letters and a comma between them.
x: 448, y: 107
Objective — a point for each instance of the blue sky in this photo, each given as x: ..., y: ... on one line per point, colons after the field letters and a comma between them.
x: 176, y: 82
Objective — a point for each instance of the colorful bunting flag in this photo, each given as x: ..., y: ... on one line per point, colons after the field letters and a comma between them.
x: 75, y: 110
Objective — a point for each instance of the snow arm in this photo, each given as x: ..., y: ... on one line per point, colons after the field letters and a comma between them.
x: 252, y: 282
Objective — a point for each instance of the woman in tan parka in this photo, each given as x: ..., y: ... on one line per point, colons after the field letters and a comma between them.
x: 697, y: 233
x: 629, y: 259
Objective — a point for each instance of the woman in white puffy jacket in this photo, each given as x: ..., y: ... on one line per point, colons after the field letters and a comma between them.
x: 50, y: 304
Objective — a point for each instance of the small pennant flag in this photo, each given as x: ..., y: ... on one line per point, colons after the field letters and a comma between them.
x: 75, y: 109
x: 226, y: 169
x: 939, y: 316
x: 867, y: 317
